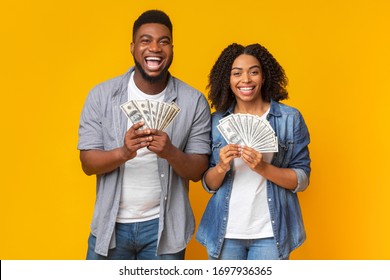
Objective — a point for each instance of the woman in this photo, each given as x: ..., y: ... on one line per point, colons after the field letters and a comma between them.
x: 254, y: 212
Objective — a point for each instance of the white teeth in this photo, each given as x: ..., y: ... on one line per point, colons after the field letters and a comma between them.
x: 246, y: 88
x: 153, y: 58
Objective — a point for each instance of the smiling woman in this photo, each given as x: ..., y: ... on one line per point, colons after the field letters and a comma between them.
x: 245, y: 218
x: 246, y: 80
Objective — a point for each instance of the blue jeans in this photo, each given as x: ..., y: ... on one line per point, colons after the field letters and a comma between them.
x: 248, y: 249
x: 134, y: 241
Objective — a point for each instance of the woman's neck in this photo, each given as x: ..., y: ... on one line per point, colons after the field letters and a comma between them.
x: 254, y: 108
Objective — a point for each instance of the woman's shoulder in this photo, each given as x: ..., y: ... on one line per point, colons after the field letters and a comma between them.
x: 217, y: 116
x: 284, y: 109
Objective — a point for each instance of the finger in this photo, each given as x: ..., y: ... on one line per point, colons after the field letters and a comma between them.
x: 250, y: 152
x: 137, y: 125
x: 247, y: 160
x: 233, y: 154
x: 247, y: 157
x: 230, y: 149
x: 142, y: 132
x: 155, y: 131
x: 139, y: 140
x: 139, y: 146
x: 233, y: 147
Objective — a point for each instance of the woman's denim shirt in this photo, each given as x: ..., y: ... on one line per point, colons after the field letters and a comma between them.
x: 285, y: 211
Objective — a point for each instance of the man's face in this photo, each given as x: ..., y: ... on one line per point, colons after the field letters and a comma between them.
x: 152, y: 50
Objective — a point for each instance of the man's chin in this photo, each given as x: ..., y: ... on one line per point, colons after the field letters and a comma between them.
x: 154, y: 79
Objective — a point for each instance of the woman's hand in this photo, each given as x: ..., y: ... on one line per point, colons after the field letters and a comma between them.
x: 252, y: 158
x: 226, y: 155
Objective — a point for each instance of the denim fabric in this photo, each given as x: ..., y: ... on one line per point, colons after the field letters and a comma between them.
x: 134, y: 241
x: 248, y: 249
x: 286, y: 217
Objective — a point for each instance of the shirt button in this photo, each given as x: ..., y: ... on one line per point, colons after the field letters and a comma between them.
x: 162, y: 175
x: 273, y: 221
x: 269, y: 199
x: 165, y: 197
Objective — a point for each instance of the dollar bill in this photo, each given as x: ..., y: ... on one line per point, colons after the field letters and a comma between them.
x: 230, y: 133
x: 155, y: 114
x: 249, y: 130
x: 143, y: 108
x: 132, y: 112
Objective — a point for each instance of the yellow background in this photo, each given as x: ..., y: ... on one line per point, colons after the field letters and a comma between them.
x: 335, y: 53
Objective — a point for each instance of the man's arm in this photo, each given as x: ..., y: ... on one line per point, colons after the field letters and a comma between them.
x: 188, y: 166
x: 100, y: 162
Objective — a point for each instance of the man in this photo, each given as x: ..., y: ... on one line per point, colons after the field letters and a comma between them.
x: 142, y: 209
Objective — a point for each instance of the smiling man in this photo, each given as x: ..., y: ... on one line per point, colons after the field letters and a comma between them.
x: 142, y: 209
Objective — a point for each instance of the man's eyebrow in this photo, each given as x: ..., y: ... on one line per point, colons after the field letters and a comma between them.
x: 150, y: 36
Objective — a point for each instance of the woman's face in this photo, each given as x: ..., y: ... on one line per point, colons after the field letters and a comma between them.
x: 246, y: 78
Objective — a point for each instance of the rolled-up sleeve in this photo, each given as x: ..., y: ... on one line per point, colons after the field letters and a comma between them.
x: 300, y: 162
x: 90, y: 127
x: 199, y: 138
x: 303, y: 180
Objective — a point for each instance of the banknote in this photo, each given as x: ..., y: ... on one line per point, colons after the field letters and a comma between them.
x: 249, y: 130
x: 155, y: 114
x: 230, y: 132
x: 132, y: 112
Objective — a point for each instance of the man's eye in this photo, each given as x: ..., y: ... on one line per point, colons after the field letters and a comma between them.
x: 164, y: 43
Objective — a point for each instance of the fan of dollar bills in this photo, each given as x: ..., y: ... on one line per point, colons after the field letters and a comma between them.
x: 158, y: 115
x: 249, y: 130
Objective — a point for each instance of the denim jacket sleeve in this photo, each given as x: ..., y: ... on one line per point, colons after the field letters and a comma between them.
x: 301, y: 160
x: 217, y: 142
x: 294, y: 138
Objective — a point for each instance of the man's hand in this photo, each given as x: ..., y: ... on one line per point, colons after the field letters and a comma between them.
x: 160, y: 144
x: 136, y: 139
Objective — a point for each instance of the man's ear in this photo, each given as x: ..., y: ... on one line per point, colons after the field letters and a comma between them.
x: 131, y: 48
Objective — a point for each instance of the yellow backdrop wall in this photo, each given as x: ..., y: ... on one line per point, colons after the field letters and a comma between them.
x: 335, y: 53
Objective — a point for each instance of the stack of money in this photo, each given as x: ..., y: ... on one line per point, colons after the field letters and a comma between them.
x: 157, y: 115
x: 249, y: 130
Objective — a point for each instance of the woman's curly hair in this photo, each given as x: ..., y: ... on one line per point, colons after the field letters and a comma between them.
x: 275, y: 80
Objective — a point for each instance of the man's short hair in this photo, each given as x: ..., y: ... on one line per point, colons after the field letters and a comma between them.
x: 152, y: 16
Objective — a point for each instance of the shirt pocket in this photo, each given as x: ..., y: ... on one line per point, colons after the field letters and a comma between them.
x: 283, y: 157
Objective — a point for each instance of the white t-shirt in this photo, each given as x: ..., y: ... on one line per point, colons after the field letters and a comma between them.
x: 249, y: 216
x: 141, y: 187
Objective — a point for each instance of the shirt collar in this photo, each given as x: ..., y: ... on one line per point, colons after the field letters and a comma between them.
x: 274, y: 109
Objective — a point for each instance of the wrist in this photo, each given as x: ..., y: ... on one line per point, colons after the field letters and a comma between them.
x: 261, y: 167
x: 220, y: 169
x: 124, y: 154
